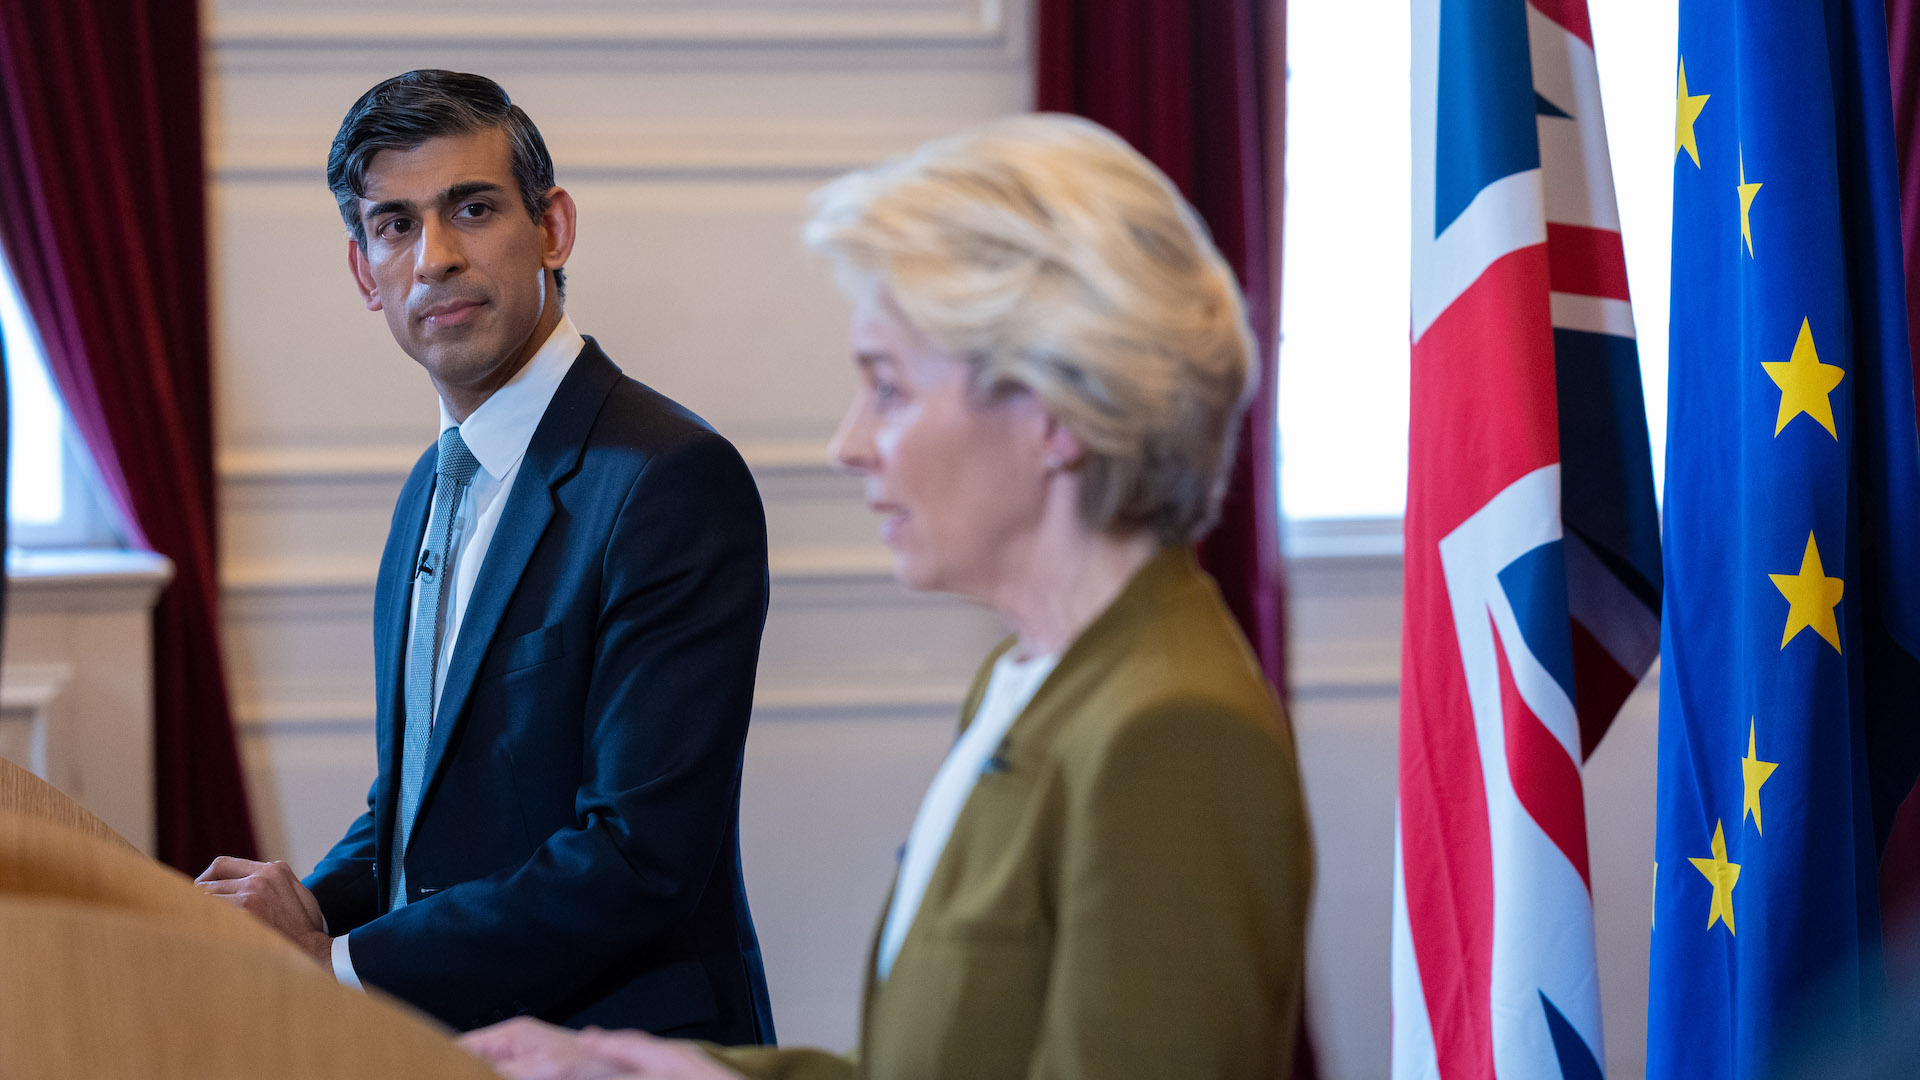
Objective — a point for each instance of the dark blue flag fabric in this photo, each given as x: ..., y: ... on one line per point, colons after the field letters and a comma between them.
x: 1788, y: 688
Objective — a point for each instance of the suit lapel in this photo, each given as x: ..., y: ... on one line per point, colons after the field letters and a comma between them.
x: 870, y: 993
x: 551, y: 457
x: 396, y: 578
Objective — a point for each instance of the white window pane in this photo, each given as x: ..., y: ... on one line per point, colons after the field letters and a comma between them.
x: 1343, y: 315
x: 1637, y: 45
x: 1343, y: 351
x: 36, y: 484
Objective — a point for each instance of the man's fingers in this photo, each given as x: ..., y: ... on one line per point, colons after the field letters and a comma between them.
x: 226, y: 866
x: 224, y: 886
x: 238, y: 900
x: 307, y: 904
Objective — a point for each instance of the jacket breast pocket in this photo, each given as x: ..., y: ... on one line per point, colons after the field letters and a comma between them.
x: 525, y: 651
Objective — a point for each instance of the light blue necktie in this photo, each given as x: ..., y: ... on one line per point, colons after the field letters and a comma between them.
x: 456, y: 468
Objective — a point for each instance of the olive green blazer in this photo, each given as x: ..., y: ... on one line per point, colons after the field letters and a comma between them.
x: 1125, y: 891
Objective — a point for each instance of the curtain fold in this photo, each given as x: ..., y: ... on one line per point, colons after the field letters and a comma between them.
x: 1193, y: 86
x: 103, y: 218
x: 1903, y: 62
x: 1900, y: 861
x: 6, y: 477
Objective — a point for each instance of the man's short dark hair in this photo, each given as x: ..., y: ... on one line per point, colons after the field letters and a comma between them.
x: 407, y: 110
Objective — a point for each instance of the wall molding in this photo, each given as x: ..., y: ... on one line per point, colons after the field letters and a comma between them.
x: 1378, y: 539
x: 111, y: 580
x: 1364, y: 679
x: 267, y: 578
x: 305, y: 716
x: 978, y: 23
x: 390, y: 463
x: 330, y: 715
x: 638, y: 152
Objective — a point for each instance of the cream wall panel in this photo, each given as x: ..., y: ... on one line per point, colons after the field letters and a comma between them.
x: 298, y: 361
x: 300, y: 652
x: 1620, y: 817
x: 308, y: 783
x: 703, y: 288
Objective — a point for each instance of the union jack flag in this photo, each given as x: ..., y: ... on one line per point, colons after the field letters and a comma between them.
x: 1532, y: 542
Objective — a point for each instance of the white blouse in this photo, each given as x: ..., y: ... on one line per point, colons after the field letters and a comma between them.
x: 1012, y: 684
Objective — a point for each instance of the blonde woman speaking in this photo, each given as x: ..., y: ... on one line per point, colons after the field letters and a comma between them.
x: 1109, y: 875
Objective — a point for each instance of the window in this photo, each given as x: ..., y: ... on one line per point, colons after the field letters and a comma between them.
x: 1343, y: 284
x: 1344, y: 299
x: 54, y: 496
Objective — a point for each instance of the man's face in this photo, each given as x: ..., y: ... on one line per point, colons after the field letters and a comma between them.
x: 456, y: 263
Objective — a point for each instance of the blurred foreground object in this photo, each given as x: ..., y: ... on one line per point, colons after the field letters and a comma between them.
x: 21, y: 792
x: 48, y: 859
x: 97, y: 993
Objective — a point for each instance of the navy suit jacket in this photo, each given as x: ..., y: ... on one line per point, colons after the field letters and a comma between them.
x: 575, y: 855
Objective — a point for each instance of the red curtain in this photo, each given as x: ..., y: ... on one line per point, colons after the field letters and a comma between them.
x: 1197, y: 87
x: 103, y: 218
x: 1903, y: 61
x: 1900, y: 862
x: 1194, y: 85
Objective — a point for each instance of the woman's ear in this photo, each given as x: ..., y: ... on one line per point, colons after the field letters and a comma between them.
x: 1064, y: 452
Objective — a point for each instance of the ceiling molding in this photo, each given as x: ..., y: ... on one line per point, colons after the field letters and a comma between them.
x: 978, y: 23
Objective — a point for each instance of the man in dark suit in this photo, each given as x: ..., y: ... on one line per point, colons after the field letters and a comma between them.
x: 567, y: 621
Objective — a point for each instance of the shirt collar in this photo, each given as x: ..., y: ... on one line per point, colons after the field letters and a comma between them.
x: 499, y: 430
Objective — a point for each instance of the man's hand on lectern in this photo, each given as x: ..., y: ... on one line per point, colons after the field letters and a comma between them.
x: 270, y: 892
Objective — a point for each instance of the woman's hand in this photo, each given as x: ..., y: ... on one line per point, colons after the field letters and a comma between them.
x: 646, y: 1058
x: 527, y: 1049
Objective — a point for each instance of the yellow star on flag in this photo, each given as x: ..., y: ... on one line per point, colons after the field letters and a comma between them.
x: 1687, y: 111
x: 1753, y: 773
x: 1804, y: 384
x: 1811, y: 596
x: 1747, y: 192
x: 1721, y: 874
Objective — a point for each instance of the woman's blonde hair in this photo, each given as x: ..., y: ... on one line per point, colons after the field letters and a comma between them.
x: 1053, y: 257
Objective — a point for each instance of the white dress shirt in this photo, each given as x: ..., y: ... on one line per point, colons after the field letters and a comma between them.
x: 1009, y: 689
x: 497, y: 433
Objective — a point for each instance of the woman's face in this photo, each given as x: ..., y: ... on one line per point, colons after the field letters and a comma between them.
x: 960, y: 483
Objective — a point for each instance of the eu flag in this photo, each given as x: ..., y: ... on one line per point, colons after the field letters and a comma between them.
x: 1792, y: 539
